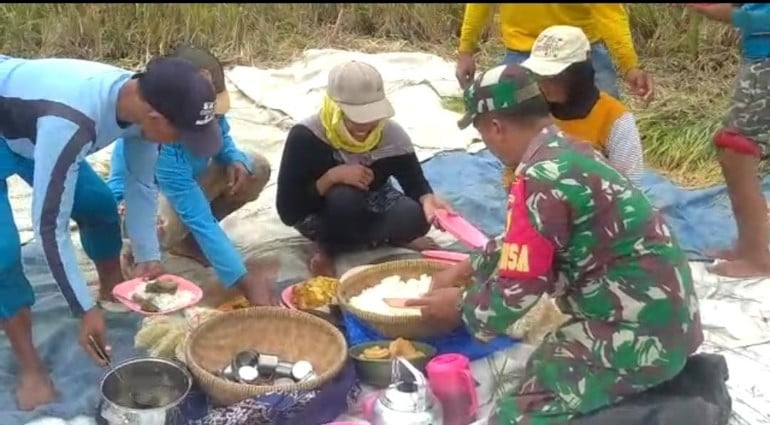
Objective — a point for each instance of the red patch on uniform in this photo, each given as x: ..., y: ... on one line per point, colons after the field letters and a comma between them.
x: 525, y: 252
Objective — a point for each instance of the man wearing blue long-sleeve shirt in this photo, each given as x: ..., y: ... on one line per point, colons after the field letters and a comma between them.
x: 198, y: 192
x: 54, y: 113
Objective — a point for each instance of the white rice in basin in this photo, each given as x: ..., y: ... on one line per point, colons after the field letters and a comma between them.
x: 372, y: 299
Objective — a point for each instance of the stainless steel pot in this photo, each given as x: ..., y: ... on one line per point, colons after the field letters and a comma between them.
x: 164, y: 382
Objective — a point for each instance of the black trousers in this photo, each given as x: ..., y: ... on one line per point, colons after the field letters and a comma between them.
x: 347, y: 223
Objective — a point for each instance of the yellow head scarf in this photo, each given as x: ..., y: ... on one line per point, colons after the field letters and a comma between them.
x: 339, y: 136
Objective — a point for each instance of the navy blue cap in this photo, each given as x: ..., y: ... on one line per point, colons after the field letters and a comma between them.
x: 176, y: 89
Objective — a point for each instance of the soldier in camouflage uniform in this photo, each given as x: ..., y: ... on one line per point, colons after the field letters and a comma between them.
x: 745, y: 139
x: 578, y: 230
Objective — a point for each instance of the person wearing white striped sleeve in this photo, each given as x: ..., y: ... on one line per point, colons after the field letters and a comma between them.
x: 561, y: 60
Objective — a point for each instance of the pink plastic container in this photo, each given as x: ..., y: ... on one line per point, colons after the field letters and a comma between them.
x: 453, y: 384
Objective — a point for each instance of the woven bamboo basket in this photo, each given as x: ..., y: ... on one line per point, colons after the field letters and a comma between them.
x: 409, y: 327
x: 291, y: 335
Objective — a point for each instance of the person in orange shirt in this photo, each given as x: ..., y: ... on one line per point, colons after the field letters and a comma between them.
x: 605, y: 24
x: 561, y: 61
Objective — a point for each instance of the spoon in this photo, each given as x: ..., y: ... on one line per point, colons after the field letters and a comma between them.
x: 397, y: 302
x: 106, y: 358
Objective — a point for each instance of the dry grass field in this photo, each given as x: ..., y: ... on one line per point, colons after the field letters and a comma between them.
x: 693, y: 60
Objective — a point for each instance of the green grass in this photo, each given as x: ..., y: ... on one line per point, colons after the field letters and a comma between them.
x: 693, y: 60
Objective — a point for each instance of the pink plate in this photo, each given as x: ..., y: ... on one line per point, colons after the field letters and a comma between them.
x: 124, y: 291
x: 287, y: 300
x: 286, y: 297
x: 452, y: 257
x: 462, y: 230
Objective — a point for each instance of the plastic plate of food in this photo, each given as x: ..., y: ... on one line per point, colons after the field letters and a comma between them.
x: 312, y: 294
x: 317, y: 296
x: 166, y: 294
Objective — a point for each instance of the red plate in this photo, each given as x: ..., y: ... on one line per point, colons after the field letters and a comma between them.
x: 123, y: 292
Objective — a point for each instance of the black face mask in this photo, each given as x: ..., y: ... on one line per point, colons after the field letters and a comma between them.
x: 582, y: 93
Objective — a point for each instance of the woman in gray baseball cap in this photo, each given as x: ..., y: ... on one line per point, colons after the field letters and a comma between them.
x: 334, y: 179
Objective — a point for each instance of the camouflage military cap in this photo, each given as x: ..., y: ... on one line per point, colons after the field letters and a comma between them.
x: 497, y: 89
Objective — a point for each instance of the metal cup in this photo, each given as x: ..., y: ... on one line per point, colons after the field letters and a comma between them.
x: 302, y: 370
x: 248, y: 375
x: 283, y: 370
x: 267, y: 364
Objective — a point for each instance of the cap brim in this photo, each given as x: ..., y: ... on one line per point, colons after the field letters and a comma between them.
x: 466, y: 120
x: 371, y: 112
x: 545, y: 68
x: 222, y: 104
x: 204, y: 142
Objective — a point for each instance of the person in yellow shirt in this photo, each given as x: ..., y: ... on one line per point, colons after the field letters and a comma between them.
x: 561, y: 61
x: 605, y: 24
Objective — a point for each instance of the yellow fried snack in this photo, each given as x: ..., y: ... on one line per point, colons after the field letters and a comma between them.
x: 403, y: 348
x: 235, y: 304
x: 316, y: 292
x: 398, y: 348
x: 375, y: 353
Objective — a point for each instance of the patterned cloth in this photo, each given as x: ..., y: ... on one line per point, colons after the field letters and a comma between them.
x: 578, y: 230
x: 292, y: 408
x: 749, y: 111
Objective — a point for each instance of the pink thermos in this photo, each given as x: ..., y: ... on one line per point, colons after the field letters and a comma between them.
x: 453, y: 384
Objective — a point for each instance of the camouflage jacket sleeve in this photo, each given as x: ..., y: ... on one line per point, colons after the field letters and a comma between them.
x: 509, y: 281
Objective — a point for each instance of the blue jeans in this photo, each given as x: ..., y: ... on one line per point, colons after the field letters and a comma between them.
x: 606, y: 77
x: 94, y: 210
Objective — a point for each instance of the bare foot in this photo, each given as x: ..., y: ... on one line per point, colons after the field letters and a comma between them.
x: 258, y: 286
x: 322, y: 264
x: 740, y: 269
x: 106, y: 301
x: 107, y: 297
x: 422, y: 244
x: 34, y: 389
x: 723, y: 254
x: 191, y: 251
